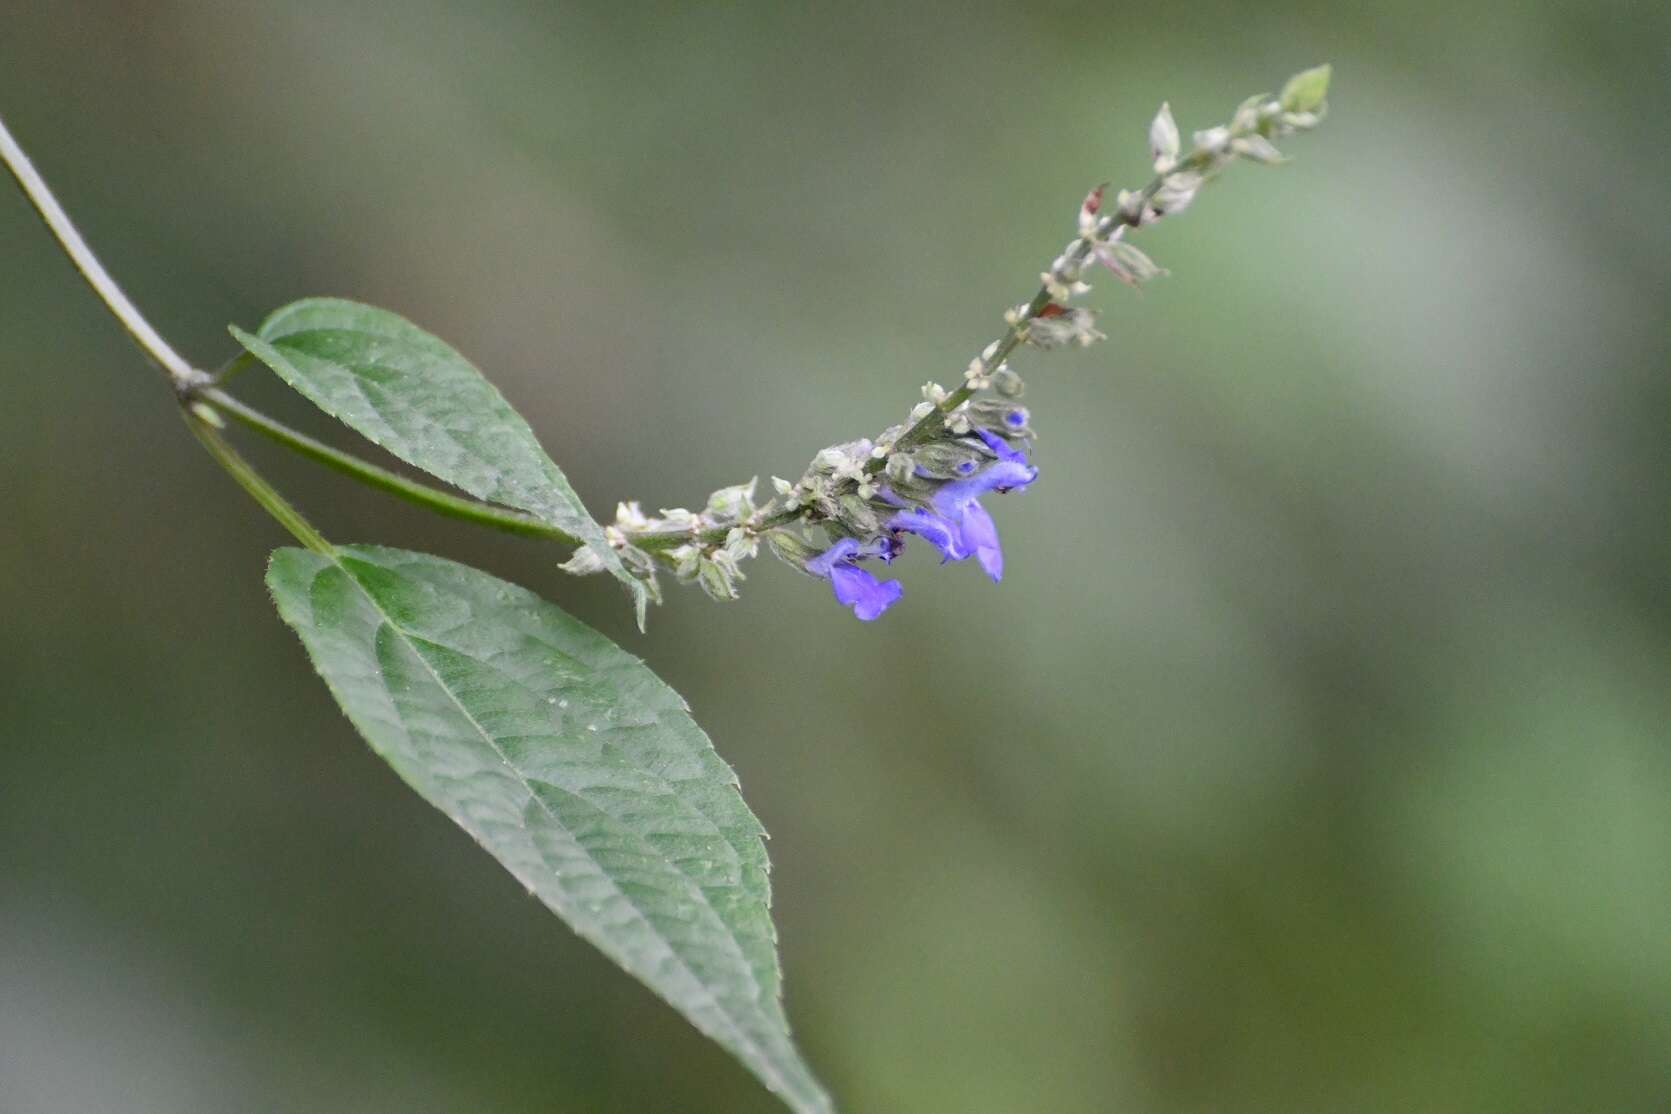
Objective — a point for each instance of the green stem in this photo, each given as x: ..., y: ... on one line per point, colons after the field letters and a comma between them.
x: 444, y: 502
x: 430, y: 498
x: 765, y: 519
x: 186, y: 379
x: 928, y: 425
x: 181, y: 373
x: 257, y: 487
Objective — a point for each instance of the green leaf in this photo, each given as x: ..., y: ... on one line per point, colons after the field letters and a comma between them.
x: 572, y: 764
x: 1306, y: 90
x: 414, y: 395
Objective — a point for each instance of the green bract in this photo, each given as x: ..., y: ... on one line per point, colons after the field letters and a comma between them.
x: 1306, y: 90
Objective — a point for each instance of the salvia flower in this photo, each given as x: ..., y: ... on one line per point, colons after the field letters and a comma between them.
x: 954, y: 522
x: 853, y: 586
x: 939, y: 532
x: 958, y: 502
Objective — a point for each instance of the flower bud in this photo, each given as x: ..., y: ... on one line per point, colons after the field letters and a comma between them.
x: 716, y: 579
x: 740, y: 543
x: 1257, y: 148
x: 637, y: 561
x: 1130, y: 264
x: 730, y: 504
x: 822, y: 498
x: 858, y: 515
x: 629, y: 516
x: 685, y: 559
x: 1002, y: 415
x: 678, y: 518
x: 1213, y: 140
x: 947, y: 460
x: 1250, y: 112
x: 1059, y: 326
x: 1164, y: 139
x: 791, y: 549
x: 1306, y: 90
x: 584, y: 562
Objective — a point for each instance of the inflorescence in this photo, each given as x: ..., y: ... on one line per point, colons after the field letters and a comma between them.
x: 925, y: 477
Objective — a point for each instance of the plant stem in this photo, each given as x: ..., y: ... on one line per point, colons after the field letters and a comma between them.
x: 257, y: 487
x: 185, y: 378
x: 925, y: 428
x: 1108, y: 227
x: 445, y: 502
x: 765, y: 519
x: 430, y: 498
x: 192, y: 385
x: 182, y: 374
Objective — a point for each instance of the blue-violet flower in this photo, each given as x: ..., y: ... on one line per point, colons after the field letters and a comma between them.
x: 958, y: 526
x: 854, y: 587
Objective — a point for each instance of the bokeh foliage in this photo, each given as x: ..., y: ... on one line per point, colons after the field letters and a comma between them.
x: 1312, y: 755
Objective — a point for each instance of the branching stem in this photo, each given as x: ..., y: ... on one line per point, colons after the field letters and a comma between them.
x: 181, y: 373
x: 257, y: 487
x: 430, y: 498
x: 186, y: 379
x: 195, y: 388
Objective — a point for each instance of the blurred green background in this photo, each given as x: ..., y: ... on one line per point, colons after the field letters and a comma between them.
x: 1311, y: 757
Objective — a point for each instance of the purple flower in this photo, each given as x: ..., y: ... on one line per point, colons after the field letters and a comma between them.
x: 854, y: 587
x: 954, y: 522
x: 958, y: 526
x: 958, y: 502
x: 1016, y: 417
x: 932, y: 529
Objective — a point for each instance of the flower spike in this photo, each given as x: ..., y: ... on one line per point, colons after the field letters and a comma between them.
x: 926, y: 477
